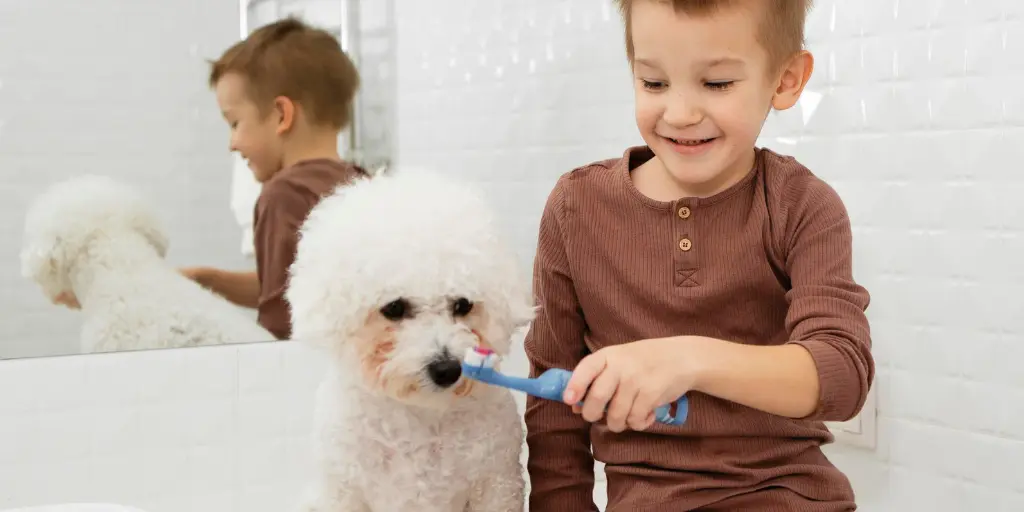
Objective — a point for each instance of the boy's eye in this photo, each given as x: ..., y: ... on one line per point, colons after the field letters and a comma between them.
x: 721, y: 85
x: 653, y: 85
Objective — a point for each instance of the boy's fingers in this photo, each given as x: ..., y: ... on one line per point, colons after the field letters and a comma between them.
x: 642, y: 414
x: 646, y: 423
x: 619, y: 408
x: 582, y: 376
x: 600, y: 393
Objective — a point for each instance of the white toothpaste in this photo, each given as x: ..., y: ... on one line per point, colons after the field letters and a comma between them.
x: 482, y: 360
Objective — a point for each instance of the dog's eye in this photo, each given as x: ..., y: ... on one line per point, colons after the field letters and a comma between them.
x: 461, y: 307
x: 395, y: 309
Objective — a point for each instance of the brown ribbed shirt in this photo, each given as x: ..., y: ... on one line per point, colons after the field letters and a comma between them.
x: 284, y: 202
x: 765, y: 262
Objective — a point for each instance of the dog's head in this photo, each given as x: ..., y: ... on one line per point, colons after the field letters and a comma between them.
x: 398, y: 275
x: 67, y: 216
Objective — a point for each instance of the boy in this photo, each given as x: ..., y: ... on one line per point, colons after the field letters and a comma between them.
x: 286, y: 91
x: 728, y: 278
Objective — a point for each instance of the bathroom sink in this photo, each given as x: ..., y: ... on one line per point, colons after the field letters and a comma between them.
x: 76, y: 507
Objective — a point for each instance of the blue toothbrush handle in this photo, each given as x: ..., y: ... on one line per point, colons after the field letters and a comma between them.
x: 664, y: 413
x: 554, y: 381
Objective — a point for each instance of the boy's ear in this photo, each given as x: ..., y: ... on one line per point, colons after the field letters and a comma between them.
x: 794, y: 77
x: 284, y: 109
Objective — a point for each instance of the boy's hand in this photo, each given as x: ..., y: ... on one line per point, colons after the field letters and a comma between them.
x: 194, y: 273
x: 632, y: 380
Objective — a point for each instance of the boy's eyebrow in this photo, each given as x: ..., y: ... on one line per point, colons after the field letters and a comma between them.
x: 708, y: 63
x: 644, y: 62
x: 721, y: 61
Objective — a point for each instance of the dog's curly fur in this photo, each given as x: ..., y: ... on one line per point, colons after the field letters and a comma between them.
x: 98, y: 239
x: 395, y: 277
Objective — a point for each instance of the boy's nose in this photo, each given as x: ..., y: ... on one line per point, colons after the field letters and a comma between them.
x: 681, y: 111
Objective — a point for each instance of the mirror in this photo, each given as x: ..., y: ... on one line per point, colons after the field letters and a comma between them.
x: 117, y: 175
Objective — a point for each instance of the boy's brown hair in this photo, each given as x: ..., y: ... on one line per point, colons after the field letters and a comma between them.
x: 289, y: 58
x: 781, y: 33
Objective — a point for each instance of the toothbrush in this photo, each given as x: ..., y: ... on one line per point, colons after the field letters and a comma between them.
x: 478, y: 364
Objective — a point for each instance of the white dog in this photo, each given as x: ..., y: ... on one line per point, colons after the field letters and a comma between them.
x: 395, y: 277
x: 97, y: 240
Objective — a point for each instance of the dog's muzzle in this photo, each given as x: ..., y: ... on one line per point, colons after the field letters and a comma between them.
x: 444, y: 370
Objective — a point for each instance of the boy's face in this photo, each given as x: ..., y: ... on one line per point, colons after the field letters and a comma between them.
x: 704, y: 87
x: 256, y: 137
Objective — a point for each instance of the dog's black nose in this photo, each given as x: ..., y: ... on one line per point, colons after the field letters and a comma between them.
x: 445, y: 371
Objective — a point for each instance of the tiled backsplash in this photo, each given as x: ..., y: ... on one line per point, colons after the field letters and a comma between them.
x: 919, y: 127
x: 212, y: 429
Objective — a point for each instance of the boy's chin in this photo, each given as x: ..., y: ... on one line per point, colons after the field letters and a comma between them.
x: 259, y: 174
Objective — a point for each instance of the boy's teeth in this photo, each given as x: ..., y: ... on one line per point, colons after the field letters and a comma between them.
x: 689, y: 142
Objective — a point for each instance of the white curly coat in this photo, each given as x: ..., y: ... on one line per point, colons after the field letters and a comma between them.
x: 388, y: 436
x: 98, y: 239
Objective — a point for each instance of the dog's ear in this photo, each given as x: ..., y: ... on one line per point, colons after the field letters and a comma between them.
x: 523, y: 314
x: 159, y: 240
x: 155, y: 235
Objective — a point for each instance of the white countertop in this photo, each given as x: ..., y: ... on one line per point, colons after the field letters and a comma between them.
x: 76, y: 507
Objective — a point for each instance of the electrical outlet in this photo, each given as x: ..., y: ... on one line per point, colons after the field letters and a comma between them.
x: 861, y: 430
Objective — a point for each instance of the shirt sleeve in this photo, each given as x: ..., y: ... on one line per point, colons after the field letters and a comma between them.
x: 560, y: 463
x: 826, y: 306
x: 279, y: 214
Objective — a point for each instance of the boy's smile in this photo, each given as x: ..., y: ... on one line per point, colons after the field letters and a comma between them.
x: 253, y: 134
x: 690, y: 146
x: 704, y: 85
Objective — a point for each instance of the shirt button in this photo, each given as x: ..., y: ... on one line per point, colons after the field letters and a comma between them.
x: 684, y: 212
x: 685, y: 244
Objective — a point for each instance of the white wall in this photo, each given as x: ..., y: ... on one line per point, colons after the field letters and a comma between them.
x: 115, y: 87
x: 918, y: 128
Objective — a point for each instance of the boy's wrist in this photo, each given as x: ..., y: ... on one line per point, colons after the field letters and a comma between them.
x: 702, y: 354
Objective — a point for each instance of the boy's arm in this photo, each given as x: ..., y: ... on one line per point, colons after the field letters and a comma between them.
x: 280, y: 212
x: 826, y: 369
x: 239, y: 288
x: 560, y: 463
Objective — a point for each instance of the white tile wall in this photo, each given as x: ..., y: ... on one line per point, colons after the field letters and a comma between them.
x: 919, y: 128
x: 918, y: 125
x: 212, y: 429
x: 115, y: 87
